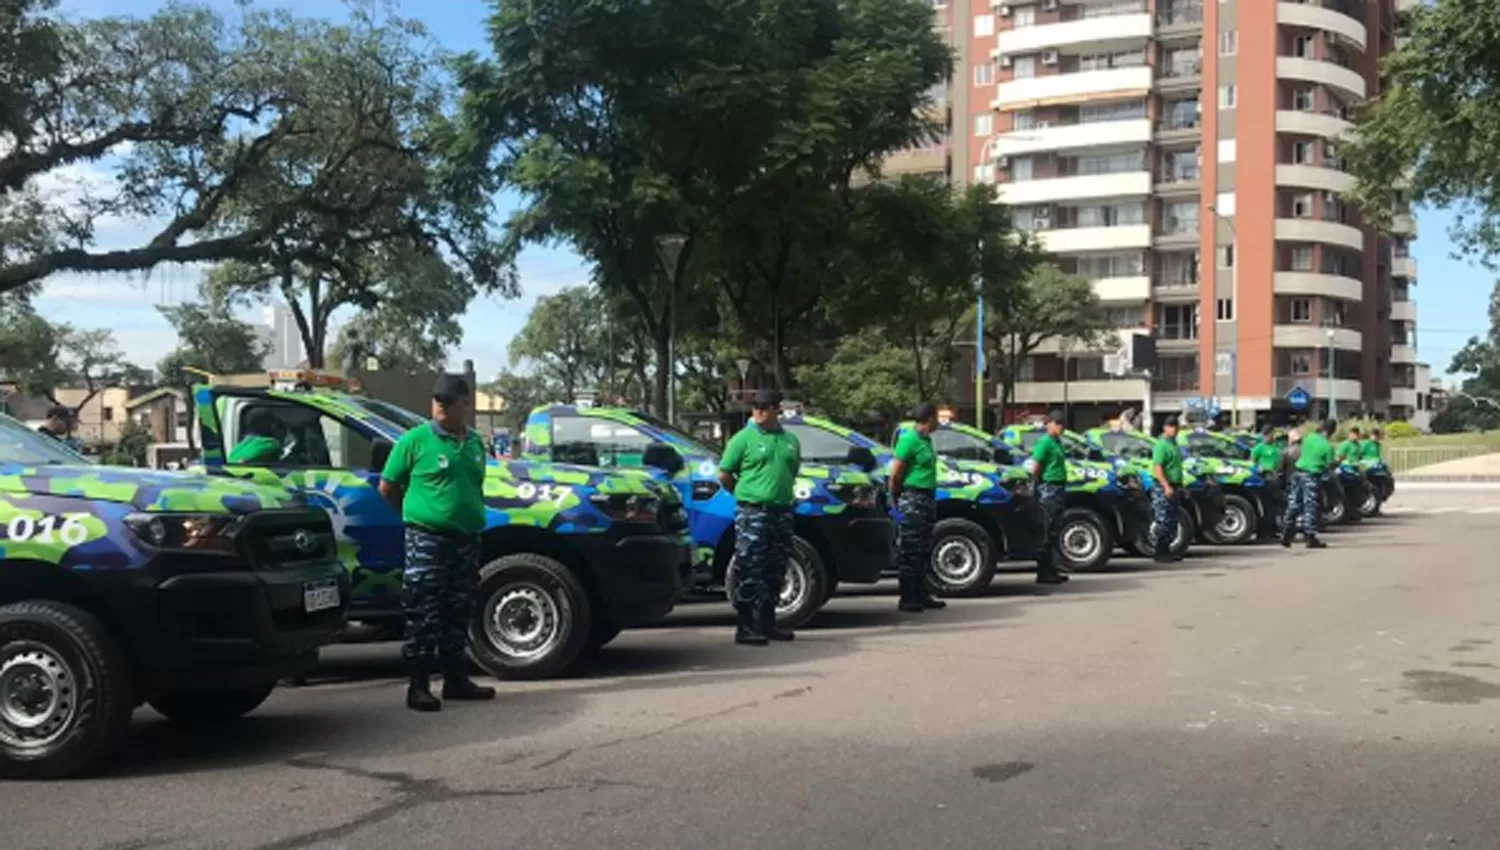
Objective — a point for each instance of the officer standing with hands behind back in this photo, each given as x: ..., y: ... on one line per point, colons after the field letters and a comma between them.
x: 1049, y: 468
x: 913, y: 484
x: 760, y: 467
x: 1166, y: 467
x: 435, y: 480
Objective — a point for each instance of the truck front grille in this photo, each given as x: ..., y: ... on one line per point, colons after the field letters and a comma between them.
x: 285, y: 539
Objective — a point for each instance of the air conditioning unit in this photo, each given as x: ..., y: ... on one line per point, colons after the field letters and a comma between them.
x: 1041, y: 223
x: 1042, y: 125
x: 1049, y: 57
x: 1004, y: 10
x: 1049, y: 5
x: 1005, y: 61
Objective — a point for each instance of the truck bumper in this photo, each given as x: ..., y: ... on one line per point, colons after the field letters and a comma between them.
x: 863, y: 544
x: 640, y: 577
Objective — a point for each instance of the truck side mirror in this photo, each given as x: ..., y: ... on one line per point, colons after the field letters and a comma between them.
x: 862, y: 457
x: 380, y: 452
x: 664, y: 457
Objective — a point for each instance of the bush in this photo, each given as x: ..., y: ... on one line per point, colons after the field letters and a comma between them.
x: 1401, y: 430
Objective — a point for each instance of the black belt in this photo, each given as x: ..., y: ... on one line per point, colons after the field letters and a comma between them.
x: 1056, y: 483
x: 928, y: 490
x: 760, y: 506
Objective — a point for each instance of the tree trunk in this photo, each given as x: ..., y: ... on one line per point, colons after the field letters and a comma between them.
x: 663, y: 370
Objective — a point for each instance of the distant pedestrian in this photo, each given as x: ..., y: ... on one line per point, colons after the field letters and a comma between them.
x: 1349, y: 449
x: 1313, y: 458
x: 1166, y: 468
x: 1266, y: 456
x: 760, y: 467
x: 913, y: 485
x: 59, y: 425
x: 1370, y: 448
x: 1049, y: 469
x: 435, y: 479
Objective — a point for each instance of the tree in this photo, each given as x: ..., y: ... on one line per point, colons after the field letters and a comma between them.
x: 94, y: 360
x: 210, y: 338
x: 267, y: 140
x: 519, y: 395
x: 29, y: 349
x: 1432, y: 133
x: 131, y: 446
x: 565, y: 341
x: 1047, y: 304
x: 868, y: 380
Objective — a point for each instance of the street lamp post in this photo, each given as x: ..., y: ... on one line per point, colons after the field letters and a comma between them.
x: 1333, y: 387
x: 1234, y: 286
x: 669, y: 246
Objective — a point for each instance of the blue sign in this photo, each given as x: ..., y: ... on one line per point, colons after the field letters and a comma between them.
x: 1298, y: 398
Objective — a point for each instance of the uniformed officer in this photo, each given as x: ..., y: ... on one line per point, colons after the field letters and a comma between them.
x: 913, y: 486
x: 260, y: 445
x: 1313, y: 460
x: 1049, y: 468
x: 435, y: 478
x: 760, y: 467
x: 1266, y: 456
x: 1349, y: 449
x: 1370, y: 448
x: 1166, y: 468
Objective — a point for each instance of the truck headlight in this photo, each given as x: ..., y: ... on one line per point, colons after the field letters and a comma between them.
x: 857, y: 495
x: 1021, y: 487
x: 623, y: 508
x: 198, y: 534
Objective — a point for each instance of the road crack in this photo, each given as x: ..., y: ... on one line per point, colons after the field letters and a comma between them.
x: 645, y: 736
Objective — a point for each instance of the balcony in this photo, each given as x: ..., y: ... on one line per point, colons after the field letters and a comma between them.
x: 1077, y: 239
x: 1341, y: 389
x: 1129, y: 390
x: 1182, y: 382
x: 1072, y: 136
x: 1176, y: 288
x: 1324, y: 285
x: 1325, y: 73
x: 1326, y: 232
x: 1316, y: 336
x: 1177, y: 231
x: 1314, y: 177
x: 1402, y: 353
x: 1404, y: 267
x: 916, y: 161
x: 1403, y: 311
x: 1081, y: 87
x: 1062, y: 189
x: 1404, y: 225
x: 1117, y: 290
x: 1329, y: 125
x: 1179, y: 18
x: 1179, y: 76
x: 1322, y: 18
x: 1174, y: 179
x: 1179, y: 129
x: 1100, y: 34
x: 1403, y: 397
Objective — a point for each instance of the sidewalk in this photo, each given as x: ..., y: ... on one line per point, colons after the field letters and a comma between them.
x: 1481, y: 469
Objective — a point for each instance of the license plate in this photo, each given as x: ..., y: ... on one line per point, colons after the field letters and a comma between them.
x: 320, y: 595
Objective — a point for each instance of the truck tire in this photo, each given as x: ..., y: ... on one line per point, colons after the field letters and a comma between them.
x: 1187, y: 531
x: 803, y: 593
x: 963, y: 558
x: 1239, y: 524
x: 1086, y: 540
x: 1371, y: 505
x: 532, y: 618
x: 66, y: 690
x: 211, y: 706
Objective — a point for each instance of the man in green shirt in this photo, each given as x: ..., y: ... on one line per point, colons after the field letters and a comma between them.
x: 1314, y: 459
x: 913, y: 485
x: 261, y: 445
x: 435, y: 479
x: 1166, y: 468
x: 1349, y: 449
x: 1266, y: 455
x: 1370, y: 448
x: 1049, y: 468
x: 760, y: 467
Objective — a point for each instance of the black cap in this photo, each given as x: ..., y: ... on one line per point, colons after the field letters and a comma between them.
x: 766, y: 399
x: 450, y: 388
x: 924, y: 411
x: 1169, y: 422
x: 1055, y: 416
x: 59, y: 411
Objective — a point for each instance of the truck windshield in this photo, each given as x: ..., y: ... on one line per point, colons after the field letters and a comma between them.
x: 19, y: 444
x: 677, y: 437
x: 388, y: 419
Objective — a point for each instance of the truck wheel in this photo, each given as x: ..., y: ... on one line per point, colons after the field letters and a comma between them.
x: 1187, y: 531
x: 1085, y: 540
x: 1335, y: 512
x: 1371, y: 505
x: 963, y: 558
x: 210, y: 706
x: 533, y: 618
x: 1239, y: 523
x: 803, y: 591
x: 66, y: 692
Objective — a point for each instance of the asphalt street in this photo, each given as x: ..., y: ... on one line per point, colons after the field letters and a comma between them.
x: 1246, y: 698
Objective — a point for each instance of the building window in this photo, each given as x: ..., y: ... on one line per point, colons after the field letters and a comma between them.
x: 1226, y: 256
x: 109, y: 414
x: 1302, y: 206
x: 984, y: 74
x: 1122, y: 110
x: 1302, y: 153
x: 984, y: 173
x: 1301, y: 310
x: 1302, y: 100
x: 1224, y: 310
x: 1302, y: 259
x: 1301, y: 363
x: 1025, y: 16
x: 1229, y: 43
x: 1181, y: 217
x: 1111, y: 265
x: 984, y: 124
x: 984, y: 26
x: 1177, y: 321
x: 1024, y: 120
x: 1302, y: 46
x: 1024, y: 67
x: 1227, y: 96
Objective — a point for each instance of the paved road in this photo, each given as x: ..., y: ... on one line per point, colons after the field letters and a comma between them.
x: 1244, y: 699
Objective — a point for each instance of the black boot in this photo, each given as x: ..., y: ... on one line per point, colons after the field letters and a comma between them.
x: 1162, y: 554
x: 930, y: 602
x: 1288, y: 531
x: 419, y: 694
x: 768, y: 625
x: 1314, y: 543
x: 910, y: 603
x: 457, y: 685
x: 745, y: 631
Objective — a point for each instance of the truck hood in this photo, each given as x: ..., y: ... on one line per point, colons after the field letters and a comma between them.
x: 146, y: 490
x: 507, y: 475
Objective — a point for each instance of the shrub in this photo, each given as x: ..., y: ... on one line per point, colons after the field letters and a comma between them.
x: 1401, y: 430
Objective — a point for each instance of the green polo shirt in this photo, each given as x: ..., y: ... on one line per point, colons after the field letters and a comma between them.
x: 443, y: 476
x: 1050, y: 460
x: 765, y: 463
x: 1317, y: 454
x: 1369, y: 449
x: 1266, y: 457
x: 1349, y: 450
x: 1166, y: 454
x: 916, y: 451
x: 256, y: 450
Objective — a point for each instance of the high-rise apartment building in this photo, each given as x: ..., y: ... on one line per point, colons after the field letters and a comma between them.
x: 1184, y: 155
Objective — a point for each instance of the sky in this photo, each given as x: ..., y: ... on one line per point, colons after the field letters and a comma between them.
x: 1452, y: 295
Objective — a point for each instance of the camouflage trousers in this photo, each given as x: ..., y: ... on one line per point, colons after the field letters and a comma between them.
x: 1164, y: 518
x: 914, y: 536
x: 437, y: 598
x: 762, y: 547
x: 1301, y: 504
x: 1054, y: 501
